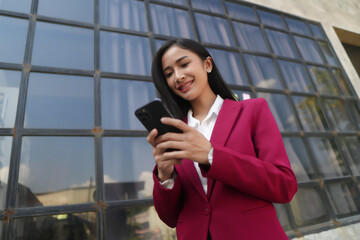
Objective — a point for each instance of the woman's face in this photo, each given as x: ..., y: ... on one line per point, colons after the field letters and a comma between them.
x: 186, y: 73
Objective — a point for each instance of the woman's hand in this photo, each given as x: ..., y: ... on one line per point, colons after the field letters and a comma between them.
x: 190, y: 144
x: 165, y: 166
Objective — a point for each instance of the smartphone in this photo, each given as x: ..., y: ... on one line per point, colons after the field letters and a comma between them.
x: 150, y: 115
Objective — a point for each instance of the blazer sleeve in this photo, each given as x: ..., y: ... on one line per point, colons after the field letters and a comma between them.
x: 167, y: 202
x: 267, y: 175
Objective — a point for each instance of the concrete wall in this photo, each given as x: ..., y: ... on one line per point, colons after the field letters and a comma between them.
x: 343, y: 14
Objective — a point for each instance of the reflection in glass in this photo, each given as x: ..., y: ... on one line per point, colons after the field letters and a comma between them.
x: 323, y: 81
x: 310, y: 114
x: 350, y: 147
x: 342, y: 82
x: 5, y: 151
x: 128, y: 165
x: 354, y: 107
x: 281, y: 44
x: 308, y: 207
x: 79, y: 10
x: 136, y: 223
x: 297, y: 26
x: 250, y: 37
x: 327, y: 157
x: 12, y: 44
x: 241, y: 12
x: 299, y: 159
x: 123, y: 53
x: 282, y: 216
x: 125, y: 14
x: 56, y: 171
x: 241, y: 95
x: 271, y: 19
x: 213, y: 29
x: 120, y: 99
x: 180, y: 2
x: 15, y: 5
x: 262, y: 71
x: 281, y: 110
x: 62, y: 226
x: 344, y: 200
x: 338, y: 117
x: 229, y: 65
x: 63, y: 46
x: 59, y: 101
x: 213, y: 6
x: 295, y: 76
x: 9, y: 93
x: 330, y: 57
x: 308, y: 49
x: 317, y: 31
x: 177, y: 21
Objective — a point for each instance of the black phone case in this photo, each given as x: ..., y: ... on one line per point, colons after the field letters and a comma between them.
x: 150, y: 115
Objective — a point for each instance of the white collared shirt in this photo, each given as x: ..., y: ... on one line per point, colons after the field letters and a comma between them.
x: 205, y: 128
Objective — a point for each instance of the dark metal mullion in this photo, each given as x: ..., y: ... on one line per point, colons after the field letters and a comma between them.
x: 193, y: 21
x: 7, y: 13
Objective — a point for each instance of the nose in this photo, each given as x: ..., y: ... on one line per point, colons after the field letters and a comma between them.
x: 179, y: 75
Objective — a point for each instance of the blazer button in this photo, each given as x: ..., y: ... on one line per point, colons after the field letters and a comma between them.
x: 207, y: 210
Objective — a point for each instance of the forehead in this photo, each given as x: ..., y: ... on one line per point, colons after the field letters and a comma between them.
x: 174, y: 53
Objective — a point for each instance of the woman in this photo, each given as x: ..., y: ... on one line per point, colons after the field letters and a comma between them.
x: 230, y: 164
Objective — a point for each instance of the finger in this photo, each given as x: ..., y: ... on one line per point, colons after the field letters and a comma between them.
x: 169, y: 137
x: 151, y: 137
x: 172, y: 145
x: 176, y: 123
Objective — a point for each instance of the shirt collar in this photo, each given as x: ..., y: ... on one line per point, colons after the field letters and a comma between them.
x: 214, y: 111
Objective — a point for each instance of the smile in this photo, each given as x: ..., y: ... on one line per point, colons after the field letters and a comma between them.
x: 185, y: 86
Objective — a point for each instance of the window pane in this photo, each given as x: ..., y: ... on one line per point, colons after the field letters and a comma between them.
x: 317, y: 31
x: 177, y: 21
x: 299, y: 159
x: 63, y: 46
x: 229, y: 65
x: 213, y: 6
x: 70, y: 171
x: 344, y: 86
x: 308, y: 207
x: 281, y: 111
x: 120, y: 99
x: 79, y: 10
x: 124, y: 53
x: 136, y: 223
x: 330, y: 57
x: 295, y: 76
x: 355, y: 111
x: 242, y: 95
x: 308, y: 49
x: 282, y: 216
x: 281, y: 44
x: 126, y: 14
x: 343, y: 198
x: 16, y: 5
x: 213, y: 29
x: 180, y: 2
x: 59, y: 101
x: 62, y: 226
x: 241, y: 12
x: 327, y: 157
x: 9, y: 93
x: 5, y: 152
x: 128, y: 166
x: 271, y: 19
x: 310, y: 114
x: 338, y: 116
x: 262, y: 71
x: 323, y: 81
x: 12, y: 44
x: 297, y: 26
x: 350, y: 146
x: 250, y: 37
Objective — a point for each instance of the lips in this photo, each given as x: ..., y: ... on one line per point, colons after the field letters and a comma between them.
x: 183, y: 87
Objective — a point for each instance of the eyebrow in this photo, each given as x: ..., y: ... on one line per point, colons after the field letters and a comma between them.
x: 177, y: 61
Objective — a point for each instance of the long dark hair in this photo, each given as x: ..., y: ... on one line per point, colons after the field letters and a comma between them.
x: 177, y: 106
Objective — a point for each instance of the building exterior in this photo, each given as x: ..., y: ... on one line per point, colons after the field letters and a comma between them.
x: 74, y: 162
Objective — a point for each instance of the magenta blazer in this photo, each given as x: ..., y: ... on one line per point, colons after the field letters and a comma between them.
x: 250, y: 171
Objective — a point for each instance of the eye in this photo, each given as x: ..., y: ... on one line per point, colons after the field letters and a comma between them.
x: 168, y: 74
x: 184, y: 64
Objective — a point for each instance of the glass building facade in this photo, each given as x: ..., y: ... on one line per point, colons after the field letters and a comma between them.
x: 74, y: 162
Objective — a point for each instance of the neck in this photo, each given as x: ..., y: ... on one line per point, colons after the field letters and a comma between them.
x: 201, y: 106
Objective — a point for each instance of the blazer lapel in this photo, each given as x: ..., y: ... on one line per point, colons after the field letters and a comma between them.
x: 224, y: 123
x: 192, y: 174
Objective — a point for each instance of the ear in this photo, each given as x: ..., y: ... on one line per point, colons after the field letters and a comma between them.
x: 208, y: 64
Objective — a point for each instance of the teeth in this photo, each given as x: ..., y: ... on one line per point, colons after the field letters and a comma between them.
x: 185, y: 86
